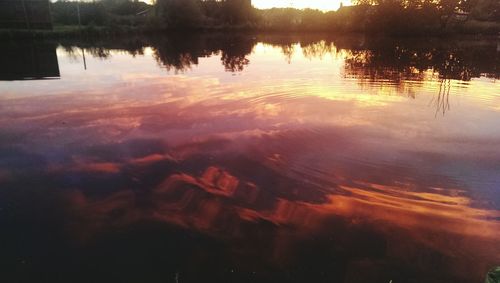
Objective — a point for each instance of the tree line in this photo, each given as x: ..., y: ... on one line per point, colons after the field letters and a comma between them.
x: 391, y: 16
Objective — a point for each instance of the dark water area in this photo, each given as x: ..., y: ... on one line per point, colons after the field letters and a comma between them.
x: 250, y: 158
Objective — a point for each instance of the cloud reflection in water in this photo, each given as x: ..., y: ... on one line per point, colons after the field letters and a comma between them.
x: 282, y: 174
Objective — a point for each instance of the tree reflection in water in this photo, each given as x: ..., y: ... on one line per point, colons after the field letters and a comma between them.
x: 367, y: 59
x: 442, y: 102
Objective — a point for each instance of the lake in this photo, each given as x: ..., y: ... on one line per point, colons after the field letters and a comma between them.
x: 250, y: 158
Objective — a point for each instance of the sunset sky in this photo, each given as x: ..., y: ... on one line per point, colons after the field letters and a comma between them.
x: 324, y: 5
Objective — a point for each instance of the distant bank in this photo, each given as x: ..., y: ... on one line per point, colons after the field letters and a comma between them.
x: 41, y: 19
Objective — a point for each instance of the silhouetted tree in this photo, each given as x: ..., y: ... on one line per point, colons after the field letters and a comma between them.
x: 408, y: 13
x: 238, y: 11
x: 180, y: 13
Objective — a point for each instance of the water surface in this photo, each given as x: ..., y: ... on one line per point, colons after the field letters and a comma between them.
x: 250, y: 158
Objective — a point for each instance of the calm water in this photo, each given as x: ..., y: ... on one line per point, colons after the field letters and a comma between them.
x: 250, y: 158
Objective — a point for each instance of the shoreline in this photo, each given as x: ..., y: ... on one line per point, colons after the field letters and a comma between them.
x: 62, y: 32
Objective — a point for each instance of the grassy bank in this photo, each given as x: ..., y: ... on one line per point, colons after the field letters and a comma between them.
x: 71, y: 31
